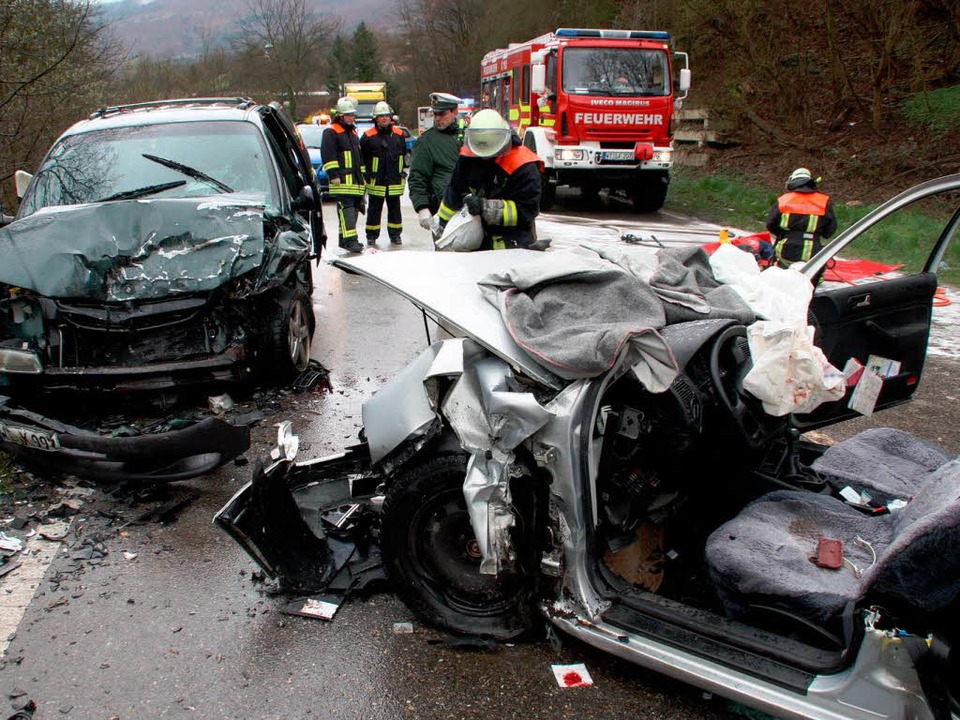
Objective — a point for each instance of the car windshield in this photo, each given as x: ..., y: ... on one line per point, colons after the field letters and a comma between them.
x: 311, y: 134
x: 617, y: 72
x: 168, y: 160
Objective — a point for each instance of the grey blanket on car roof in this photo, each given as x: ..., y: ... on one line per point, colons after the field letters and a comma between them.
x: 579, y: 310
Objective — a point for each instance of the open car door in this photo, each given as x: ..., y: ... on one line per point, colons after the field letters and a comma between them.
x: 884, y: 318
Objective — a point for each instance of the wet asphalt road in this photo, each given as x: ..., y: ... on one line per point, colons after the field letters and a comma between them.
x: 180, y: 630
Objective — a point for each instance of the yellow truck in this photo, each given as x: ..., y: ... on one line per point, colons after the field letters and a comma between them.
x: 367, y: 94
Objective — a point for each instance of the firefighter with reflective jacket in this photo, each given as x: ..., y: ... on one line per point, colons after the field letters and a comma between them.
x: 799, y: 219
x: 383, y: 148
x: 340, y: 153
x: 434, y: 156
x: 497, y: 178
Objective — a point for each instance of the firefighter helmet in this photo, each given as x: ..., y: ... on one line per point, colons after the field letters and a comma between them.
x: 488, y: 134
x: 800, y: 177
x: 381, y: 108
x: 346, y: 106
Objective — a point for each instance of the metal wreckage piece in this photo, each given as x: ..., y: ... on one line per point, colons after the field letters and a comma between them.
x: 284, y: 517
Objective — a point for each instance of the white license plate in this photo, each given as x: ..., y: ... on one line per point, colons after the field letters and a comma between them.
x: 618, y: 155
x: 34, y: 439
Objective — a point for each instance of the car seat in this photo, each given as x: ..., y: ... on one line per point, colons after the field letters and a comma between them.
x: 885, y: 462
x: 908, y: 559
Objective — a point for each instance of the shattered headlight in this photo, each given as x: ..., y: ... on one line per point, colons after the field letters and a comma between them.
x: 20, y: 360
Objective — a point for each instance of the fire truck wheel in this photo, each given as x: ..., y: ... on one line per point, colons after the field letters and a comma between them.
x: 590, y: 194
x: 649, y: 193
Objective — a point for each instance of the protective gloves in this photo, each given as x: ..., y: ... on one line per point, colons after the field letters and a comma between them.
x: 473, y: 204
x: 425, y: 218
x: 362, y: 205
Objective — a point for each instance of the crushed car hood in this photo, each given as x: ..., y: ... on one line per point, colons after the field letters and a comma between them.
x: 444, y: 285
x: 134, y: 249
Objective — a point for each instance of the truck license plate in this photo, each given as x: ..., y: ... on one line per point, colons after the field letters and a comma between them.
x: 618, y: 155
x: 34, y: 439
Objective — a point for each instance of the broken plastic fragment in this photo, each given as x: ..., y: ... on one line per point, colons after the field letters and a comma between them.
x: 403, y: 628
x: 220, y: 404
x: 287, y: 442
x: 10, y: 544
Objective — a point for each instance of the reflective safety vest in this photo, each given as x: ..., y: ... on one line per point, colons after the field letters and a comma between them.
x: 801, y: 215
x: 383, y: 153
x: 340, y: 153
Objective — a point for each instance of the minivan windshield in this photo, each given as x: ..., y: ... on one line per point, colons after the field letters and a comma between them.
x: 164, y: 160
x: 615, y: 72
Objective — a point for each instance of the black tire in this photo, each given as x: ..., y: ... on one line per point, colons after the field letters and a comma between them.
x: 649, y: 193
x: 290, y: 332
x: 431, y: 554
x: 590, y: 193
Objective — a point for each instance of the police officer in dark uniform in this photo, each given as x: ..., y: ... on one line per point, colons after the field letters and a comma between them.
x: 383, y: 148
x: 497, y: 178
x: 340, y: 153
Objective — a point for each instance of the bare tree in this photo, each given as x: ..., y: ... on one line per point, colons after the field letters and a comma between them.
x: 56, y: 58
x: 288, y: 38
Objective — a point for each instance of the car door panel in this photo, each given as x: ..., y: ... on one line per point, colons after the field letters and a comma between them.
x: 889, y: 319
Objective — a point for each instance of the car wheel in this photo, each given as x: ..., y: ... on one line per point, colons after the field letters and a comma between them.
x: 431, y: 554
x: 291, y: 331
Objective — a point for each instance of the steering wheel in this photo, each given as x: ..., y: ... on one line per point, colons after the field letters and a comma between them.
x: 729, y: 364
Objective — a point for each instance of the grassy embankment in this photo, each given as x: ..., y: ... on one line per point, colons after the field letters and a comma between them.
x: 727, y: 200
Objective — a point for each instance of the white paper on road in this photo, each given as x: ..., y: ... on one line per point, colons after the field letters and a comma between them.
x: 572, y: 675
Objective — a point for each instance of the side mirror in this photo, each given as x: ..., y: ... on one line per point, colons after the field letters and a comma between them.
x: 538, y: 79
x: 306, y: 200
x: 21, y: 178
x: 684, y: 79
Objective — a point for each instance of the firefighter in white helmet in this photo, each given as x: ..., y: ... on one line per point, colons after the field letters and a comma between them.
x: 497, y: 178
x: 383, y: 148
x: 800, y: 218
x: 340, y: 153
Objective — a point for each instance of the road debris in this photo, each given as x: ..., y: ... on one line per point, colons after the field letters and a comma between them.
x: 322, y: 607
x: 570, y: 676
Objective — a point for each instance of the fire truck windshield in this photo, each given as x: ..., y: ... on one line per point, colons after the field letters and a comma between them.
x: 618, y: 72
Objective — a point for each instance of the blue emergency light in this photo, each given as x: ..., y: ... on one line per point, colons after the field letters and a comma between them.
x: 614, y: 34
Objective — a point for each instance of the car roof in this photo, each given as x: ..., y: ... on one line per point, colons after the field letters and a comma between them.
x: 162, y: 112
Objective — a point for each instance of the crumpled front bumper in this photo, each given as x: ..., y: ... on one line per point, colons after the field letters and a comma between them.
x: 162, y: 457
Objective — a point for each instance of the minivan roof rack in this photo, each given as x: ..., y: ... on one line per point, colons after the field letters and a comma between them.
x: 240, y: 102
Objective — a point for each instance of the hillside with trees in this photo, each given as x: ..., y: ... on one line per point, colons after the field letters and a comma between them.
x: 865, y: 91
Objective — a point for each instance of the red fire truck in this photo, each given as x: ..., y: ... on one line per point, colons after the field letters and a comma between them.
x: 598, y: 106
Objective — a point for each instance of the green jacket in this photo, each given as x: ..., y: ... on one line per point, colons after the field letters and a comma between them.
x: 434, y: 156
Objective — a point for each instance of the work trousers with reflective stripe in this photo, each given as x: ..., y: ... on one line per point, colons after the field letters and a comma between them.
x: 348, y: 206
x: 374, y: 210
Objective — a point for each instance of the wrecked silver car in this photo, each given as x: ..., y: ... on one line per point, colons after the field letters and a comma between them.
x: 585, y: 450
x: 158, y: 246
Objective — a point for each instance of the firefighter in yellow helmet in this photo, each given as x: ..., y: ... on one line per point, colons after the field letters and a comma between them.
x: 497, y: 178
x: 799, y: 219
x: 383, y: 148
x: 340, y: 153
